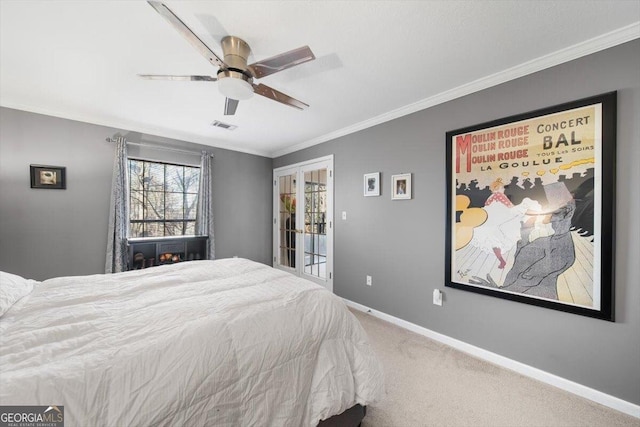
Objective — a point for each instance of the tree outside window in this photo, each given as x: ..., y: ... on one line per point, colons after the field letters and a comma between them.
x: 163, y: 198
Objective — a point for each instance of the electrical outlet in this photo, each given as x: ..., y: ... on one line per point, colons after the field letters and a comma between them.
x: 369, y: 281
x: 437, y: 297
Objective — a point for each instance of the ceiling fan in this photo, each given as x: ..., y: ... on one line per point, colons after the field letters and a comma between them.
x: 235, y: 77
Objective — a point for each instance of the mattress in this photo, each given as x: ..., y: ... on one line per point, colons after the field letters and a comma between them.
x: 229, y: 342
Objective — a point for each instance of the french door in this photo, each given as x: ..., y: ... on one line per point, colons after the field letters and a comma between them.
x: 303, y: 220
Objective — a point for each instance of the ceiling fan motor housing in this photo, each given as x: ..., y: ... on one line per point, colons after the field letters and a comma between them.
x: 234, y: 81
x: 236, y: 52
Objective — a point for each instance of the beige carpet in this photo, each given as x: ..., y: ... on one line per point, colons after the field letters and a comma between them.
x: 432, y: 384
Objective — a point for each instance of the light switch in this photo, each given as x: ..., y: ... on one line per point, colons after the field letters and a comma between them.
x: 344, y: 215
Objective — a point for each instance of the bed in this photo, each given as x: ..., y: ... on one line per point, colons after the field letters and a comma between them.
x: 229, y: 342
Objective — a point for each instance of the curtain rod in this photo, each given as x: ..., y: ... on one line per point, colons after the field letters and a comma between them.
x: 159, y: 147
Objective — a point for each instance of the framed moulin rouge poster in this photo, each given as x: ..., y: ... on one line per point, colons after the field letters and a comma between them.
x: 530, y: 207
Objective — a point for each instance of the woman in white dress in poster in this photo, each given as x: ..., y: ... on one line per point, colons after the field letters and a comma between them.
x: 501, y: 231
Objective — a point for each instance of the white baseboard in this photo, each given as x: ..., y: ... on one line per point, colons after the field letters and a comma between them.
x: 529, y: 371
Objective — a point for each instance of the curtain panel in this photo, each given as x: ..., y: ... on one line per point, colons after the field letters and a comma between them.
x: 204, y: 215
x: 117, y: 254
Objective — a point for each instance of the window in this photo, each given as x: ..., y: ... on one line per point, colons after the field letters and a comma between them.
x: 163, y: 198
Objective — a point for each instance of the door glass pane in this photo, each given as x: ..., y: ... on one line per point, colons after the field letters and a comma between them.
x: 287, y: 214
x: 315, y: 208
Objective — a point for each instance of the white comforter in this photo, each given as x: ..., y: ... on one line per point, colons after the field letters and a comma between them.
x: 226, y: 343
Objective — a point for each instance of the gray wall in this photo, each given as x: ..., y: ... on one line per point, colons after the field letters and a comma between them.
x: 47, y: 233
x: 401, y: 243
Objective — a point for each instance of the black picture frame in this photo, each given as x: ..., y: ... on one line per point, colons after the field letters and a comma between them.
x: 531, y: 207
x: 48, y: 177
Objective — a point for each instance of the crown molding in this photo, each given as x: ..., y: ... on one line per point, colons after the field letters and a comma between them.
x: 605, y: 41
x: 127, y: 126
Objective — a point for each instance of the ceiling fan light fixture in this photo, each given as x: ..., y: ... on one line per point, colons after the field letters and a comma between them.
x: 234, y: 85
x: 235, y: 76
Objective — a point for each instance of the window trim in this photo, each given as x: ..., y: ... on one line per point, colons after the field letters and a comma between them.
x: 163, y: 221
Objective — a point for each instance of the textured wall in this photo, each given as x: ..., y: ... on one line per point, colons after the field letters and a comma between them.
x: 401, y: 243
x: 47, y: 233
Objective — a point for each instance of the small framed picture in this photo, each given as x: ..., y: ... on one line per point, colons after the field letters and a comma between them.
x: 372, y: 184
x: 49, y: 177
x: 401, y: 186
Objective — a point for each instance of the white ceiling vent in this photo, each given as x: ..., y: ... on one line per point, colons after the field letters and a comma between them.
x: 222, y: 125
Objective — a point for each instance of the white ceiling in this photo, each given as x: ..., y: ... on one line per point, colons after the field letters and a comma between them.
x: 376, y: 60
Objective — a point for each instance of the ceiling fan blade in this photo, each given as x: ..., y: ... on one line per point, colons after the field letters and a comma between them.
x: 180, y: 78
x: 281, y: 62
x: 177, y: 23
x: 271, y: 93
x: 230, y: 106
